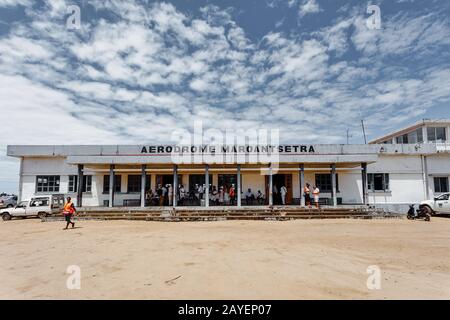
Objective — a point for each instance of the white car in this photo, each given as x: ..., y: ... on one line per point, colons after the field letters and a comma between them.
x: 40, y: 206
x: 440, y: 204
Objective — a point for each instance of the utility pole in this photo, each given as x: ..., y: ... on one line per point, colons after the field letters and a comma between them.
x: 364, y: 131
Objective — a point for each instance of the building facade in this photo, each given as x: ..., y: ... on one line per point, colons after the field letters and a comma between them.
x: 396, y: 170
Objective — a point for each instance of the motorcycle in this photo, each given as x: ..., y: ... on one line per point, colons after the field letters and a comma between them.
x: 421, y: 213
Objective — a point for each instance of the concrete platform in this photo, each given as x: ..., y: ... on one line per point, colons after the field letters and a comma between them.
x: 227, y: 213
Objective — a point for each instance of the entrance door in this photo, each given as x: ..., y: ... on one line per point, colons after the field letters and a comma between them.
x: 278, y: 181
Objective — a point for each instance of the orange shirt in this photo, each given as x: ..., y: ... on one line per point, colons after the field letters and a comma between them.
x: 68, y: 208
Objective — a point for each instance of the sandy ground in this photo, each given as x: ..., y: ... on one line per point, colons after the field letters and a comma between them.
x: 315, y: 259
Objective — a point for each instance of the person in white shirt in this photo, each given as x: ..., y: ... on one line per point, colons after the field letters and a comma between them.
x: 182, y: 194
x: 316, y: 194
x: 249, y: 197
x: 283, y: 192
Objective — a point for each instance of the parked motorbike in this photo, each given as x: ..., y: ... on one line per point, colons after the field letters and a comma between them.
x: 421, y: 213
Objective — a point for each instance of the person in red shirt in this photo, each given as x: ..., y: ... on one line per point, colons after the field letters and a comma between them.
x: 232, y: 195
x: 68, y: 211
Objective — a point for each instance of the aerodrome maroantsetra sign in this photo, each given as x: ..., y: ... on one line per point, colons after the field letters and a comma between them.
x: 226, y: 149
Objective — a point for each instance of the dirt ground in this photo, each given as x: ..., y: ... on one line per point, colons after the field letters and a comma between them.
x: 304, y: 259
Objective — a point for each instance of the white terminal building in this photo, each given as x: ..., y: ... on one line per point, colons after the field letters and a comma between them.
x: 402, y: 168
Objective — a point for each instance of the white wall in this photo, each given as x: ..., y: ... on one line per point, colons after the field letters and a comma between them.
x: 406, y: 180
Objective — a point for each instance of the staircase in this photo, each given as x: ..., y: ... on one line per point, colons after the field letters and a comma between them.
x: 226, y: 213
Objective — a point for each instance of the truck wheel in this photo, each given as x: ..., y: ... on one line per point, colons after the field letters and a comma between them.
x: 42, y: 215
x: 6, y: 216
x: 426, y: 210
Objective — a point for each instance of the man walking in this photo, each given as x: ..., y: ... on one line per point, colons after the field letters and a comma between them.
x: 68, y: 211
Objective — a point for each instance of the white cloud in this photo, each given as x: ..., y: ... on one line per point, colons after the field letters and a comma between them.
x: 152, y: 68
x: 308, y: 6
x: 13, y: 3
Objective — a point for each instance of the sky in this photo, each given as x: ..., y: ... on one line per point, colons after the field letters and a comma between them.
x: 134, y: 71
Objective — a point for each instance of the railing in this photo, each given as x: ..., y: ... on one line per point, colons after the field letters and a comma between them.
x: 443, y: 147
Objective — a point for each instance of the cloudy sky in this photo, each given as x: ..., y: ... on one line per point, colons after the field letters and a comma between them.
x: 136, y: 70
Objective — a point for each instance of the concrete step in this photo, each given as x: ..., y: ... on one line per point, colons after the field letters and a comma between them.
x: 231, y: 216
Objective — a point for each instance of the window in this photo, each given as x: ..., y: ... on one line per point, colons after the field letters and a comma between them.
x: 40, y: 202
x: 411, y: 138
x: 22, y: 204
x: 444, y: 197
x: 323, y: 181
x: 134, y: 183
x: 441, y: 184
x: 402, y: 139
x: 117, y: 183
x: 73, y: 184
x: 47, y: 183
x: 378, y: 181
x: 437, y: 134
x: 198, y: 179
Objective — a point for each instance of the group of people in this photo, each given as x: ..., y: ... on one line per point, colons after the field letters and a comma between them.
x: 223, y: 195
x: 162, y: 196
x: 315, y: 191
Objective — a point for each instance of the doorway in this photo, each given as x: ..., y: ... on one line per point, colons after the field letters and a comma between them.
x: 278, y: 181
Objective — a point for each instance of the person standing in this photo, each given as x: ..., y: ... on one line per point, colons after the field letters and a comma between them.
x: 201, y: 190
x: 307, y: 195
x: 170, y: 193
x: 260, y: 197
x: 232, y: 195
x: 68, y: 211
x: 160, y: 193
x: 249, y: 197
x: 283, y: 192
x: 182, y: 194
x: 275, y: 194
x: 316, y: 194
x: 214, y: 195
x: 221, y: 196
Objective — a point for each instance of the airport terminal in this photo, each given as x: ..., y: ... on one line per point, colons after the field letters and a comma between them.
x: 406, y: 166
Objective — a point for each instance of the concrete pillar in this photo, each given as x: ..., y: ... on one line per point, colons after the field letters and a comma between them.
x: 19, y: 196
x: 302, y: 183
x: 207, y: 186
x: 239, y: 187
x: 111, y: 186
x: 333, y: 184
x: 426, y: 177
x: 175, y: 186
x: 270, y: 186
x: 364, y: 183
x: 80, y: 185
x: 143, y: 184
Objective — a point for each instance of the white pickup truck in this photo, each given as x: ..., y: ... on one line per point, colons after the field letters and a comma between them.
x: 39, y: 206
x: 440, y: 204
